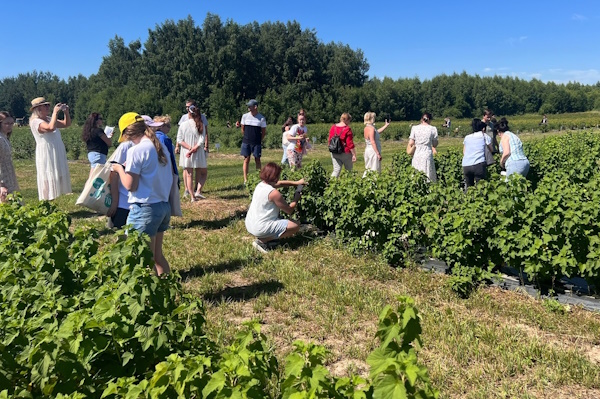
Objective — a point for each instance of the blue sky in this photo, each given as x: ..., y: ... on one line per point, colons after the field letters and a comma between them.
x: 552, y: 41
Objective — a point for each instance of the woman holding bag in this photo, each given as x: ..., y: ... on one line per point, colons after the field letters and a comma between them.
x: 343, y: 132
x: 148, y: 176
x: 474, y: 148
x: 95, y: 140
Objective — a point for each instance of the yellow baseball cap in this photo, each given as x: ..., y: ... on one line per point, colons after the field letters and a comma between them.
x: 126, y: 120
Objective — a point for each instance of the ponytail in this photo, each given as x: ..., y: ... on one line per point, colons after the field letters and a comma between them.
x: 162, y: 158
x: 140, y: 128
x: 197, y: 117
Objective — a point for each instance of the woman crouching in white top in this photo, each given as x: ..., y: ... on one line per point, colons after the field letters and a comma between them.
x: 262, y: 219
x: 147, y: 175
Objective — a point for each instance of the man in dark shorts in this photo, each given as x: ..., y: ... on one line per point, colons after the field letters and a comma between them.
x: 254, y: 129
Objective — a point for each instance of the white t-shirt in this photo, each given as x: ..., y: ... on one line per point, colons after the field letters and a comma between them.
x: 155, y: 179
x: 120, y: 156
x: 284, y: 140
x: 295, y: 130
x: 253, y: 125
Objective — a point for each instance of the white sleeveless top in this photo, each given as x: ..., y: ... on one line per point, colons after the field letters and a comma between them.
x: 262, y: 213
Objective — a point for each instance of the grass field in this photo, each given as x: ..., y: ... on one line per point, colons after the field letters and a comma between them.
x: 496, y: 344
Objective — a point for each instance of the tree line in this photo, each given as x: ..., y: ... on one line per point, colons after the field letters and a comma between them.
x: 223, y: 64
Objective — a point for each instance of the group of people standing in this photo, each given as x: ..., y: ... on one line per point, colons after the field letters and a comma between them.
x: 145, y: 169
x: 479, y: 147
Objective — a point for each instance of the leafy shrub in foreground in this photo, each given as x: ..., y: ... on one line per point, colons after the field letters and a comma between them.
x: 73, y: 318
x: 80, y: 323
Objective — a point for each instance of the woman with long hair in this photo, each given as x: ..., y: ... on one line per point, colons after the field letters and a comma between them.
x: 422, y: 145
x: 373, y: 143
x: 95, y: 139
x: 193, y: 141
x: 298, y: 143
x: 7, y: 169
x: 53, y: 177
x: 147, y: 175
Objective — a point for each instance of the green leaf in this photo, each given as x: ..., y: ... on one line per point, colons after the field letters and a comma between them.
x: 216, y: 383
x: 294, y: 363
x: 389, y: 387
x: 380, y: 360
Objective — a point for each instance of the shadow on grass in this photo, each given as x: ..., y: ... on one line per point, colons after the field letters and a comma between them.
x: 83, y: 214
x: 237, y: 187
x: 298, y: 241
x: 245, y: 292
x: 199, y: 270
x: 213, y: 224
x: 233, y: 196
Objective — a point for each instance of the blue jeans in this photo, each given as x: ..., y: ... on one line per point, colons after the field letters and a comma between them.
x: 150, y: 218
x: 96, y: 158
x: 520, y: 166
x: 284, y: 159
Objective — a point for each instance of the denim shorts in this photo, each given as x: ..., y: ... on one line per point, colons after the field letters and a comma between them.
x: 150, y: 218
x: 96, y: 158
x: 271, y: 230
x: 251, y: 149
x: 520, y: 166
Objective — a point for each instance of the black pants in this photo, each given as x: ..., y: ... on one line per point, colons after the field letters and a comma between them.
x: 119, y: 218
x: 474, y: 173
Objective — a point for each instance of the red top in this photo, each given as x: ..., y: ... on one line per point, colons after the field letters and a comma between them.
x: 345, y: 135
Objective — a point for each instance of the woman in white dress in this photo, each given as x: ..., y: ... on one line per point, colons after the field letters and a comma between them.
x: 421, y: 145
x: 7, y: 170
x: 53, y: 178
x: 193, y: 141
x: 373, y: 143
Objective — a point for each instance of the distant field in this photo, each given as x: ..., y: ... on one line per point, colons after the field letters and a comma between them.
x: 24, y: 144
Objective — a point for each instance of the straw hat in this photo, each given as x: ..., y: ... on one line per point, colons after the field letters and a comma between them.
x: 36, y: 102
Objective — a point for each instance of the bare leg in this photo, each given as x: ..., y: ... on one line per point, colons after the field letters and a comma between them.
x: 187, y: 180
x: 258, y: 165
x: 161, y: 266
x: 245, y: 168
x: 202, y: 174
x: 292, y: 228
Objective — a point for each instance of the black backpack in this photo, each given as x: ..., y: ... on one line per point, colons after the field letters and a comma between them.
x: 335, y: 144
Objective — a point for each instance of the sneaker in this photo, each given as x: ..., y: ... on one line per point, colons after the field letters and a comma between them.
x: 260, y: 246
x: 272, y: 244
x: 186, y: 194
x: 200, y: 196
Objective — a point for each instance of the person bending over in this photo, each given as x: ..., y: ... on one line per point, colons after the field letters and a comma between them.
x: 262, y: 219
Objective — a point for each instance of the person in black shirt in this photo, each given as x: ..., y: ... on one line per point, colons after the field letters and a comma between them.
x: 96, y: 141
